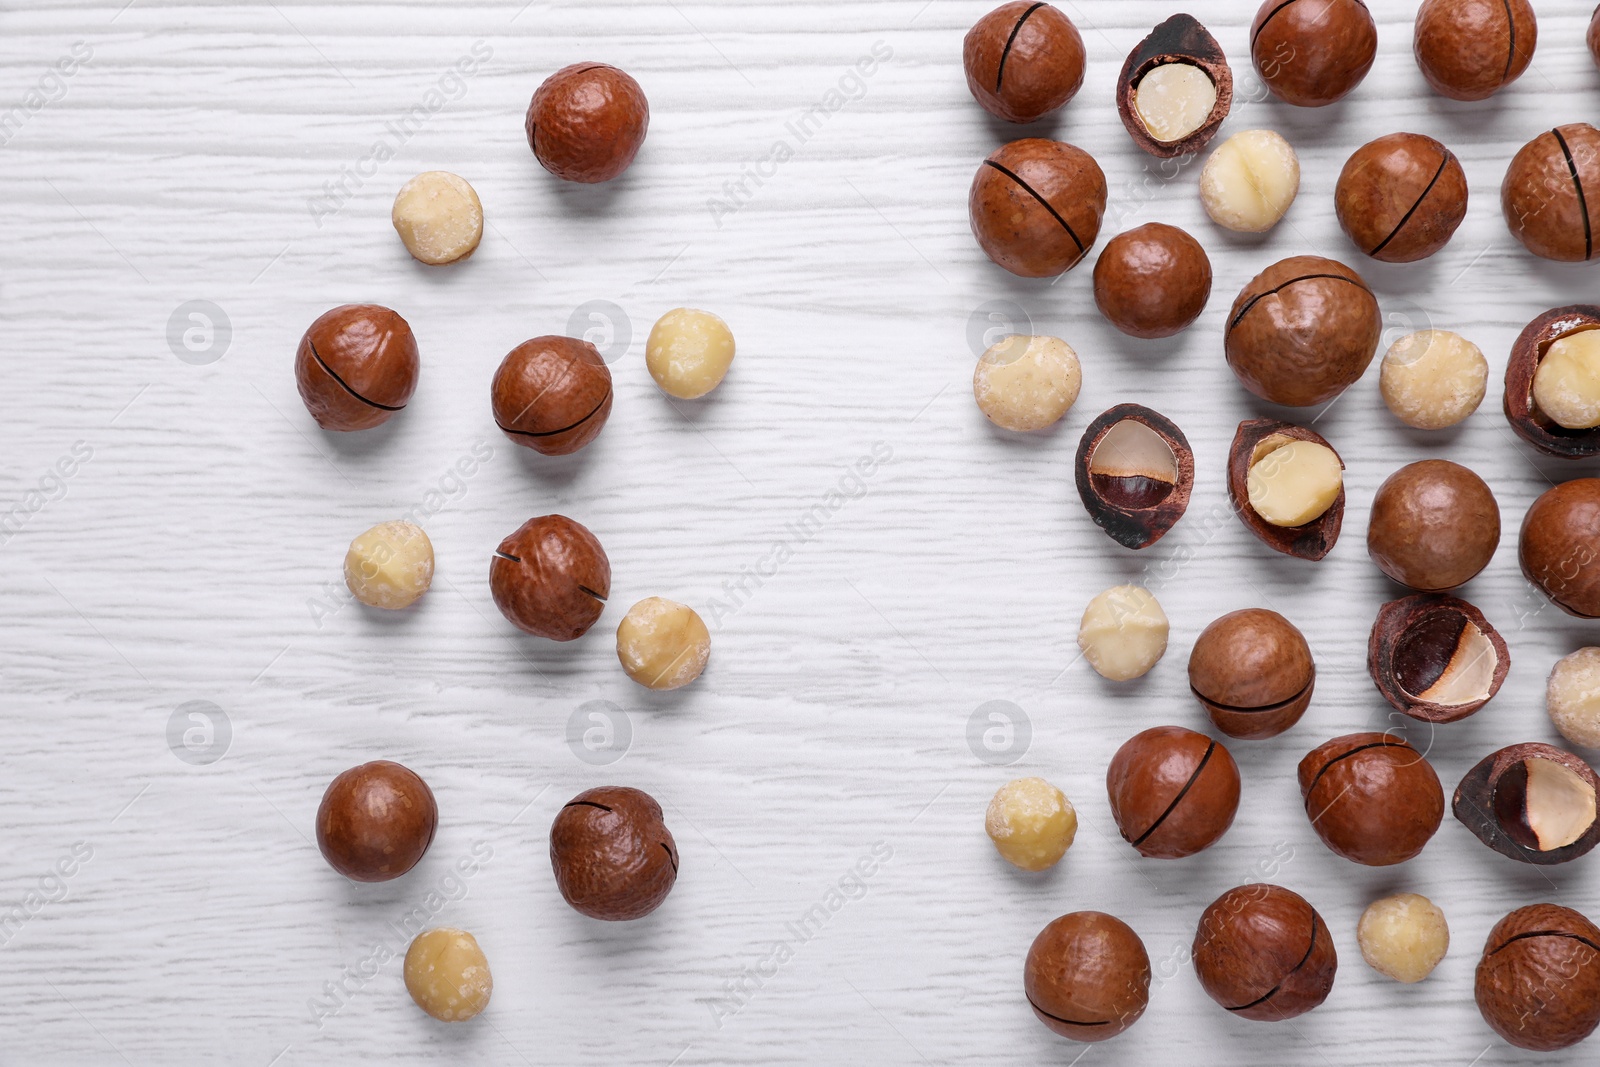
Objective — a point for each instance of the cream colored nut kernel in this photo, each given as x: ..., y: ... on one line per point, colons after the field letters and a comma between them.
x: 439, y: 217
x: 1572, y: 697
x: 663, y: 644
x: 1250, y: 180
x: 1123, y: 633
x: 689, y: 352
x: 1032, y: 823
x: 1432, y: 379
x: 1295, y: 484
x: 1403, y: 937
x: 1566, y: 386
x: 1174, y: 100
x: 448, y: 975
x: 1027, y: 383
x: 389, y: 566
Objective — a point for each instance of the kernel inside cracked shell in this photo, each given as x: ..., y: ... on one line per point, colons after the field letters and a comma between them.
x: 1444, y: 658
x: 1543, y: 805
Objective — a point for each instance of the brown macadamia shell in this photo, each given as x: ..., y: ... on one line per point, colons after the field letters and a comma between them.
x: 1559, y: 546
x: 356, y: 366
x: 1302, y: 331
x: 1550, y: 196
x: 1533, y: 803
x: 1400, y: 198
x: 1087, y: 976
x: 1152, y: 281
x: 1253, y: 673
x: 1522, y: 410
x: 552, y: 394
x: 1435, y: 657
x: 1035, y: 206
x: 587, y: 121
x: 1263, y: 953
x: 376, y: 821
x: 613, y: 857
x: 551, y: 578
x: 1180, y: 39
x: 1311, y: 541
x: 1538, y: 981
x: 1434, y: 525
x: 1371, y: 797
x: 1174, y: 792
x: 1471, y: 49
x: 1133, y: 489
x: 1023, y: 60
x: 1313, y: 52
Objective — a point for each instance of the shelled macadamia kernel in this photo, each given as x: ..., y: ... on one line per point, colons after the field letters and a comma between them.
x: 1123, y: 633
x: 1566, y: 385
x: 1250, y: 180
x: 1432, y: 379
x: 663, y: 644
x: 1174, y: 100
x: 1403, y: 937
x: 447, y: 974
x: 439, y: 217
x: 1032, y: 823
x: 1027, y: 383
x: 1572, y: 697
x: 689, y: 352
x: 1295, y: 483
x: 390, y: 566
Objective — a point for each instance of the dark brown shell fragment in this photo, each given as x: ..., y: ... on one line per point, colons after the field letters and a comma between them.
x: 1134, y: 490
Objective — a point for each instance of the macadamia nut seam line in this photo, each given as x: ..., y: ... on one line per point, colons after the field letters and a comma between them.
x: 564, y: 429
x: 1193, y: 778
x: 373, y: 403
x: 1047, y: 206
x: 1340, y: 758
x: 1444, y: 161
x: 587, y: 804
x: 1059, y: 1019
x: 1000, y: 74
x: 1511, y: 45
x: 1269, y: 18
x: 1583, y: 202
x: 1316, y: 921
x: 1547, y: 933
x: 1259, y: 708
x: 1292, y: 281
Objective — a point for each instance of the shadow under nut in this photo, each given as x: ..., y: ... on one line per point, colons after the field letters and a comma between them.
x: 1302, y: 331
x: 1035, y: 206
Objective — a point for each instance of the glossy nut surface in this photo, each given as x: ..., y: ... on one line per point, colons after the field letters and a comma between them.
x: 1152, y: 281
x: 587, y: 121
x: 1538, y: 981
x: 1302, y: 331
x: 356, y: 366
x: 1569, y: 334
x: 1263, y: 953
x: 1550, y: 196
x: 1435, y: 657
x: 1471, y: 49
x: 1371, y: 797
x: 1252, y: 671
x: 1400, y: 198
x: 551, y: 578
x: 613, y: 857
x: 1023, y: 60
x: 1313, y: 52
x: 552, y: 394
x: 1559, y: 546
x: 1087, y: 976
x: 1434, y: 525
x: 375, y: 821
x: 1174, y: 792
x: 1035, y: 206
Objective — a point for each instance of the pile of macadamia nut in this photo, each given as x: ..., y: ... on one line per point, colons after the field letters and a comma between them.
x: 1299, y: 334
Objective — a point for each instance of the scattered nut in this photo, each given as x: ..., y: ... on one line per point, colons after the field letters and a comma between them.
x: 1471, y: 49
x: 1023, y: 60
x: 1032, y: 823
x: 1436, y: 657
x: 1432, y: 379
x: 1135, y: 472
x: 447, y: 974
x: 1263, y: 953
x: 390, y: 566
x: 689, y: 353
x: 1572, y: 697
x: 375, y: 821
x: 1538, y: 983
x: 1434, y: 525
x: 1152, y: 281
x: 1087, y: 976
x: 1123, y: 633
x: 1313, y: 52
x: 1531, y: 802
x: 1372, y: 798
x: 1175, y: 88
x: 1552, y: 397
x: 439, y: 217
x: 356, y: 366
x: 587, y: 121
x: 1173, y: 792
x: 551, y: 578
x: 1027, y: 383
x: 613, y: 856
x: 663, y: 644
x: 1036, y: 205
x: 1403, y: 937
x: 1551, y: 193
x: 552, y: 394
x: 1249, y: 181
x: 1287, y: 487
x: 1559, y: 547
x: 1400, y: 198
x: 1252, y: 671
x: 1302, y: 331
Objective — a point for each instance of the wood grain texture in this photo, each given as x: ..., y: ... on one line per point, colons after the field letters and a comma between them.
x: 184, y: 558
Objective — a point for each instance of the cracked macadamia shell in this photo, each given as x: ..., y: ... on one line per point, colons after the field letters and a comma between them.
x: 1552, y: 395
x: 587, y: 121
x: 1175, y: 89
x: 1252, y: 671
x: 1550, y: 196
x: 1032, y: 823
x: 1277, y: 463
x: 1087, y: 976
x: 1135, y: 472
x: 1174, y: 792
x: 551, y: 578
x: 1538, y: 981
x: 1263, y: 953
x: 1035, y: 206
x: 1471, y: 49
x: 1023, y: 60
x: 1302, y: 331
x: 1313, y: 52
x: 356, y: 366
x: 1532, y: 803
x: 1435, y: 657
x: 1371, y: 797
x: 613, y: 856
x: 1024, y: 383
x: 552, y: 394
x: 1400, y: 198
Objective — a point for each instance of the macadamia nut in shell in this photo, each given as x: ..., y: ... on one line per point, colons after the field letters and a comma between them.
x: 1027, y: 383
x: 390, y: 566
x: 1403, y: 937
x: 1123, y: 633
x: 447, y: 974
x: 439, y: 217
x: 1250, y: 180
x: 689, y: 352
x: 1032, y: 823
x: 663, y: 644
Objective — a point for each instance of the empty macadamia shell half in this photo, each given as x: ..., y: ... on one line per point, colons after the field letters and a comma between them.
x: 439, y: 217
x: 1552, y: 396
x: 1306, y: 481
x: 1531, y: 802
x: 1572, y: 697
x: 1135, y: 473
x: 1249, y: 181
x: 1175, y: 89
x: 1435, y: 657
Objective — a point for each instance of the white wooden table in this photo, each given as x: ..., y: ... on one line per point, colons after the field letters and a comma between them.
x: 225, y: 153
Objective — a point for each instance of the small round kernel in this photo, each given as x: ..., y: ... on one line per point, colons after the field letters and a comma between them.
x: 1432, y: 379
x: 439, y: 217
x: 1174, y: 100
x: 1031, y: 822
x: 1403, y: 937
x: 1027, y: 383
x: 689, y: 352
x: 1250, y: 180
x: 1572, y: 697
x: 663, y: 644
x: 1295, y: 484
x: 1123, y: 633
x: 1566, y: 387
x: 389, y: 566
x: 448, y: 975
